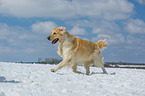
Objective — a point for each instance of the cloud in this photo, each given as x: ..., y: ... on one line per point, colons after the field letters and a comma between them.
x: 45, y: 8
x: 105, y: 27
x: 17, y: 43
x: 15, y: 39
x: 4, y: 49
x: 110, y: 10
x: 135, y: 26
x: 134, y: 40
x: 11, y: 33
x: 108, y: 31
x: 110, y: 39
x: 141, y: 2
x: 135, y: 44
x: 80, y: 23
x: 36, y: 8
x: 78, y: 31
x: 43, y: 27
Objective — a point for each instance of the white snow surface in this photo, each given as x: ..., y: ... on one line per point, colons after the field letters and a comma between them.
x: 36, y: 80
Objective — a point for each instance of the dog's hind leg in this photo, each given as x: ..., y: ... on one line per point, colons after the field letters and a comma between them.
x: 98, y: 61
x: 104, y: 70
x: 62, y: 64
x: 74, y: 68
x: 87, y: 67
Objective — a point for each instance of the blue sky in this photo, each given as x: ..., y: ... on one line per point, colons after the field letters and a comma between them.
x: 25, y: 25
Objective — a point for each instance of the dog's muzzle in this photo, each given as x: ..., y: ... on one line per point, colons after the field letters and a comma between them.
x: 55, y: 40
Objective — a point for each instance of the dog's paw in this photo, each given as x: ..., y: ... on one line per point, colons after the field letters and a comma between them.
x: 53, y: 70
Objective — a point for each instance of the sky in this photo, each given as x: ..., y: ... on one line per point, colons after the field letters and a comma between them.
x: 26, y: 24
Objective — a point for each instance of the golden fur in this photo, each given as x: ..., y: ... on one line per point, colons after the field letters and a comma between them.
x: 75, y: 51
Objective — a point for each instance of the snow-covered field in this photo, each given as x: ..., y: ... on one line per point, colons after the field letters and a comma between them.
x: 37, y: 80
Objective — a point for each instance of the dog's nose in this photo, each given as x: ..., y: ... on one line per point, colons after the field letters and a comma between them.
x: 48, y: 38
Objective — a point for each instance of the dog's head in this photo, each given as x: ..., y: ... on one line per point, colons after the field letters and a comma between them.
x: 56, y: 35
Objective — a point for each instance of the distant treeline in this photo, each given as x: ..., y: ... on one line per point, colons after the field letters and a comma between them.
x: 56, y: 61
x: 49, y: 61
x: 124, y: 63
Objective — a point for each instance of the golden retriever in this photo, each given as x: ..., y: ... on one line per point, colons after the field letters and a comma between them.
x: 75, y: 51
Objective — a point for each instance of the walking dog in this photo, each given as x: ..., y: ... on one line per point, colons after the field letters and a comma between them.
x: 76, y: 51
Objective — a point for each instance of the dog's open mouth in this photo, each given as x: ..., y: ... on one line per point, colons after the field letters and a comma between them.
x: 55, y: 41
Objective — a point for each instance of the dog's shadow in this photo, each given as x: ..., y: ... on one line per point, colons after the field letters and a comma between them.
x: 92, y: 73
x: 3, y: 80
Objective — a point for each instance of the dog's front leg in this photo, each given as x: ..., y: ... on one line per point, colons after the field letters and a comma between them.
x: 61, y: 65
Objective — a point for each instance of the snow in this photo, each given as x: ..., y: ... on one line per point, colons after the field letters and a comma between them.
x: 37, y: 80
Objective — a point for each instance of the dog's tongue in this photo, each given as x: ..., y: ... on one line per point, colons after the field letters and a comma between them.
x: 54, y: 41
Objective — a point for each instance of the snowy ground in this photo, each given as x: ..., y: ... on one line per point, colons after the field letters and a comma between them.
x: 37, y: 80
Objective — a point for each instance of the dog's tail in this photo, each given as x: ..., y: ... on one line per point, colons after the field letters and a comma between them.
x: 101, y: 44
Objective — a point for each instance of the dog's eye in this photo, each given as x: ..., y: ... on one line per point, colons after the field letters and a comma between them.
x: 54, y: 33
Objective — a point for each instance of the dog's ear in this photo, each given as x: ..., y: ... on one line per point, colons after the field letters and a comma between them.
x: 62, y: 29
